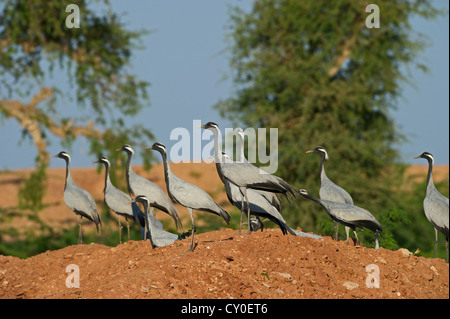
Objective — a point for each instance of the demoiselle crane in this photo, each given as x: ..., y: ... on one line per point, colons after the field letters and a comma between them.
x: 348, y: 215
x: 138, y: 185
x: 79, y: 200
x: 188, y: 195
x: 245, y: 175
x: 260, y: 206
x: 435, y: 205
x: 119, y: 202
x: 330, y: 191
x: 158, y: 236
x: 273, y: 198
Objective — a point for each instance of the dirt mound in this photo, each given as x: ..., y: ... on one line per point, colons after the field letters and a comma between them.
x: 224, y: 265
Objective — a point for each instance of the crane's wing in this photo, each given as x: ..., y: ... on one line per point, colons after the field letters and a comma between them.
x: 332, y: 192
x: 81, y: 202
x: 250, y: 176
x: 142, y: 186
x: 192, y: 196
x: 352, y: 216
x: 118, y: 201
x: 436, y: 207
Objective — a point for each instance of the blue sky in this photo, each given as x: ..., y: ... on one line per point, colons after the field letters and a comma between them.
x: 183, y: 60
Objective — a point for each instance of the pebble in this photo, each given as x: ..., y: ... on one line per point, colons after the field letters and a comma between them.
x: 434, y: 270
x: 405, y: 252
x: 350, y: 285
x: 284, y: 275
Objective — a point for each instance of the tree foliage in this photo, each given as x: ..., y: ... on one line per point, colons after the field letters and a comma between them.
x: 314, y: 70
x: 65, y: 83
x: 95, y: 58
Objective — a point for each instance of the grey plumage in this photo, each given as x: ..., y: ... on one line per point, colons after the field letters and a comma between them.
x: 139, y: 185
x: 157, y: 235
x: 348, y: 215
x: 245, y: 175
x: 79, y: 200
x: 329, y: 190
x: 435, y: 205
x: 119, y: 202
x: 271, y: 197
x: 260, y: 206
x: 188, y: 195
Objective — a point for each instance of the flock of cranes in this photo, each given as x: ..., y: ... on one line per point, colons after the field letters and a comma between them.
x: 249, y: 188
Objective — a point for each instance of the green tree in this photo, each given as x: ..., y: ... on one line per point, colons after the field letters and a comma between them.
x: 62, y: 82
x: 315, y: 71
x: 36, y: 43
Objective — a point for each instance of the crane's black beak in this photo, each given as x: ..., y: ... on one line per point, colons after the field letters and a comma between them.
x: 203, y: 126
x: 153, y: 147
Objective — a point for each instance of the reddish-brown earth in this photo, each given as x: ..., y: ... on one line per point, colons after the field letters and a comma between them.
x: 223, y: 265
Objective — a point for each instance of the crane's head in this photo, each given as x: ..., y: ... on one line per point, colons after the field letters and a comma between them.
x: 126, y: 148
x: 426, y: 155
x: 303, y: 192
x: 210, y: 125
x: 64, y: 155
x: 141, y: 199
x: 319, y: 150
x: 103, y: 160
x: 157, y: 147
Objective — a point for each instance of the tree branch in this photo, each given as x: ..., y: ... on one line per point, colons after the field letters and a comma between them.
x: 345, y: 54
x: 33, y: 120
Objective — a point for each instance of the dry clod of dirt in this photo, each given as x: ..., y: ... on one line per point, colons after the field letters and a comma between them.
x: 224, y: 265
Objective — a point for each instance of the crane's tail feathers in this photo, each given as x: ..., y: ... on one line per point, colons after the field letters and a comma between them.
x: 178, y: 224
x: 97, y: 222
x: 225, y: 215
x: 283, y: 227
x: 289, y: 191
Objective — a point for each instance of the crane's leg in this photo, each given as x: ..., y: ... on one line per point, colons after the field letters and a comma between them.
x: 336, y: 230
x: 120, y: 230
x: 377, y: 244
x: 191, y: 248
x: 248, y: 211
x: 242, y: 211
x: 128, y: 228
x: 446, y: 249
x: 80, y: 235
x: 153, y: 215
x: 347, y: 231
x: 435, y: 241
x: 356, y: 238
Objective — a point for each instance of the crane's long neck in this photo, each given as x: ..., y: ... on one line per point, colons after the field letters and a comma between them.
x: 167, y: 171
x: 430, y: 184
x: 217, y: 146
x: 314, y: 199
x: 107, y: 180
x: 219, y: 171
x: 240, y: 149
x: 323, y: 175
x: 68, y: 175
x: 128, y: 171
